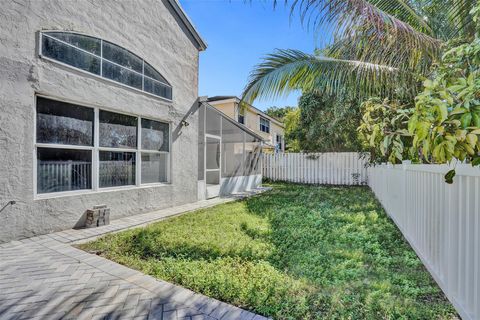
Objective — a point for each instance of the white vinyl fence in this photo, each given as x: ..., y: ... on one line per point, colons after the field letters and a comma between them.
x: 441, y: 222
x: 343, y: 168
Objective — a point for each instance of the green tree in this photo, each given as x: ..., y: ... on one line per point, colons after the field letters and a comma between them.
x: 292, y: 123
x: 446, y: 122
x: 278, y: 112
x: 290, y: 118
x: 382, y: 48
x: 327, y: 124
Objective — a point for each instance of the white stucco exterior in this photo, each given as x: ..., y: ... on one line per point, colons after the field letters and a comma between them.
x: 149, y: 28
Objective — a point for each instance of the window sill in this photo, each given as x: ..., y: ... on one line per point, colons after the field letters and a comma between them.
x: 46, y: 196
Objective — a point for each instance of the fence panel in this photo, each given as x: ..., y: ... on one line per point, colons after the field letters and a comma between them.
x: 345, y: 168
x: 440, y: 221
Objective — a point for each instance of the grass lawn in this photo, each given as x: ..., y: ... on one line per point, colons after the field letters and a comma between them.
x: 296, y: 252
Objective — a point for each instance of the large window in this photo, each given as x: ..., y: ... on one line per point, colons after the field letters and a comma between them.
x: 65, y: 142
x: 264, y: 125
x: 104, y: 59
x: 130, y: 150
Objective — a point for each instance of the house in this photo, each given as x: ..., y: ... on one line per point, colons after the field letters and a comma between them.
x: 269, y: 128
x: 99, y: 107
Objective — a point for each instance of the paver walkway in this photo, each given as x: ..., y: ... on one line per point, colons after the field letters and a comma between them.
x: 46, y: 278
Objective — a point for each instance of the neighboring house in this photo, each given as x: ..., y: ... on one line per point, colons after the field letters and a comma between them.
x: 98, y: 106
x: 272, y: 130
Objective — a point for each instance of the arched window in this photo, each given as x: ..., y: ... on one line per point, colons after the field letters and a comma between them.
x: 104, y: 59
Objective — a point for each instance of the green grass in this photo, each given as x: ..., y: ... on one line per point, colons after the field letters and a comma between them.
x: 296, y: 252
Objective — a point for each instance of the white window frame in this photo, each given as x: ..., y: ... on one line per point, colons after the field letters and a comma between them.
x: 266, y: 126
x: 40, y: 44
x: 95, y: 149
x: 241, y: 113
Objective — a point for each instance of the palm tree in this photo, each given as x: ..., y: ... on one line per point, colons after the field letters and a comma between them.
x: 380, y: 47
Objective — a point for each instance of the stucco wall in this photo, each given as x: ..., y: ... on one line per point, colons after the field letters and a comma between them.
x: 145, y: 27
x: 253, y: 123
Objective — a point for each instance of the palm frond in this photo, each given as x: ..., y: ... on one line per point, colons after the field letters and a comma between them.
x: 405, y: 11
x: 462, y: 24
x: 375, y: 20
x: 285, y: 71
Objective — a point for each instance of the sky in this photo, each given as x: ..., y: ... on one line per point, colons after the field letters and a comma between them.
x: 238, y: 35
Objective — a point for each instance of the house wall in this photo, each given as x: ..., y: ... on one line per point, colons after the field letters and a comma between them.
x: 253, y: 123
x: 148, y: 29
x: 252, y: 120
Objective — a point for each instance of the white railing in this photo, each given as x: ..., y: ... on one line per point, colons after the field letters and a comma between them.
x: 441, y: 222
x: 343, y: 168
x: 56, y: 176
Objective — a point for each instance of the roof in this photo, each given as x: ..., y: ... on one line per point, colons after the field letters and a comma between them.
x: 201, y: 44
x: 237, y: 100
x: 219, y: 98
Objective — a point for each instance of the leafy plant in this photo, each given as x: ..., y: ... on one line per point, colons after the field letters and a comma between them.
x: 446, y: 121
x: 279, y: 113
x: 292, y: 123
x: 381, y: 48
x: 327, y: 124
x: 383, y: 130
x: 290, y: 117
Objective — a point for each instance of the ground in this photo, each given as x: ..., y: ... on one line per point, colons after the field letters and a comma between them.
x: 296, y: 252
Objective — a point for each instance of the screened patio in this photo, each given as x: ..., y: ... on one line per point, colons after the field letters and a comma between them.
x: 228, y: 155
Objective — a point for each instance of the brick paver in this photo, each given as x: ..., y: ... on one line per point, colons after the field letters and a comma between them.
x: 46, y: 278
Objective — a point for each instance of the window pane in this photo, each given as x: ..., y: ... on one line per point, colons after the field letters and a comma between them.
x: 157, y: 88
x: 122, y: 75
x: 86, y: 43
x: 64, y: 123
x: 264, y: 125
x: 64, y: 53
x: 116, y: 169
x: 155, y: 135
x: 154, y: 167
x: 63, y: 170
x: 117, y: 130
x: 154, y: 74
x: 122, y: 56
